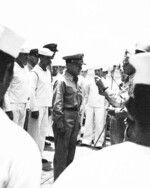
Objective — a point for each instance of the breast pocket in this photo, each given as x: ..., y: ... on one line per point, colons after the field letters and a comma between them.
x: 69, y: 90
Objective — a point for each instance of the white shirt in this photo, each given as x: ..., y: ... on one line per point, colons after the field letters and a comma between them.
x: 41, y: 92
x: 124, y: 165
x: 20, y: 160
x: 19, y: 90
x: 92, y: 94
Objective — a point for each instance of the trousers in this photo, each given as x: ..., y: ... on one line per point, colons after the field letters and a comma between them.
x: 65, y: 145
x: 117, y: 130
x: 38, y: 128
x: 19, y: 113
x: 94, y: 124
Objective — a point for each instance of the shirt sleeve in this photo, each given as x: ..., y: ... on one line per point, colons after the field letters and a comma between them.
x: 33, y: 101
x: 58, y: 100
x: 114, y: 99
x: 6, y: 104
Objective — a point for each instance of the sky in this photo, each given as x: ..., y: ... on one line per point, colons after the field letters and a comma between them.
x: 101, y: 29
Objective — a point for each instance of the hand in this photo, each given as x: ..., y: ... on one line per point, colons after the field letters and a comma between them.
x: 60, y: 127
x: 111, y: 111
x: 35, y: 114
x: 61, y: 131
x: 10, y: 114
x: 100, y: 85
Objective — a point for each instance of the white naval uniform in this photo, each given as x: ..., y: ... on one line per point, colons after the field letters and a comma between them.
x: 95, y: 114
x: 17, y: 95
x: 20, y: 162
x: 40, y: 101
x: 124, y: 165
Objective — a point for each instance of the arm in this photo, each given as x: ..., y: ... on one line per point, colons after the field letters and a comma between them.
x: 33, y: 102
x: 114, y: 99
x: 58, y: 101
x: 86, y: 90
x: 6, y: 104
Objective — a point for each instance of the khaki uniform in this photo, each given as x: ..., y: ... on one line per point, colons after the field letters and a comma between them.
x: 66, y: 103
x: 117, y: 124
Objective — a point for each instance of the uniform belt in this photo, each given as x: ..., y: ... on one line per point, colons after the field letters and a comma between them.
x: 75, y: 108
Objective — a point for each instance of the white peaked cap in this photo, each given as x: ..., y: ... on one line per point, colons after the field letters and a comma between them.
x: 141, y: 63
x: 45, y: 52
x: 10, y: 42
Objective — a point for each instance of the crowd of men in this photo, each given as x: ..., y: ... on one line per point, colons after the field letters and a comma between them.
x: 40, y: 97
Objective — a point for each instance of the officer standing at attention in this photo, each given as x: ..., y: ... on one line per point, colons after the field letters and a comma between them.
x: 66, y: 104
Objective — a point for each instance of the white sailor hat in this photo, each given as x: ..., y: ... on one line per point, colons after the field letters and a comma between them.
x: 10, y: 42
x: 105, y: 69
x: 44, y: 52
x: 141, y: 63
x: 58, y: 63
x: 84, y: 68
x: 97, y: 67
x: 25, y: 50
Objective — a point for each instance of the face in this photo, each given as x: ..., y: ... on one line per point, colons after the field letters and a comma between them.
x: 24, y: 58
x: 83, y: 73
x: 61, y: 69
x: 54, y: 70
x: 74, y: 68
x: 128, y: 68
x: 33, y: 60
x: 46, y: 61
x: 98, y: 72
x: 105, y: 73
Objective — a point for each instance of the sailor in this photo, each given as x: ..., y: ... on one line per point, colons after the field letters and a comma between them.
x: 40, y: 100
x: 20, y: 164
x: 18, y: 95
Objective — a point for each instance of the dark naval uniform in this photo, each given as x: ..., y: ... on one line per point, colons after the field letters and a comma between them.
x: 66, y: 104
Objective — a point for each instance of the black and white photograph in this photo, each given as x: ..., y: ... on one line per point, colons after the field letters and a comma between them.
x: 74, y: 93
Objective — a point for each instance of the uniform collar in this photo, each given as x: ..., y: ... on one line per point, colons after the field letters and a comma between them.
x: 17, y: 65
x: 68, y: 75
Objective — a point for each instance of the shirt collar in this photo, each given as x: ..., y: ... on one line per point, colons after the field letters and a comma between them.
x: 17, y: 65
x: 68, y: 75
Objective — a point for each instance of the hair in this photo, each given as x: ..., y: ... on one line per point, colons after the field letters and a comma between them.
x: 5, y: 59
x: 139, y: 106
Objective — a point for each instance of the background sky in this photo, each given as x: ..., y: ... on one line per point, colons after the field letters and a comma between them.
x: 101, y: 29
